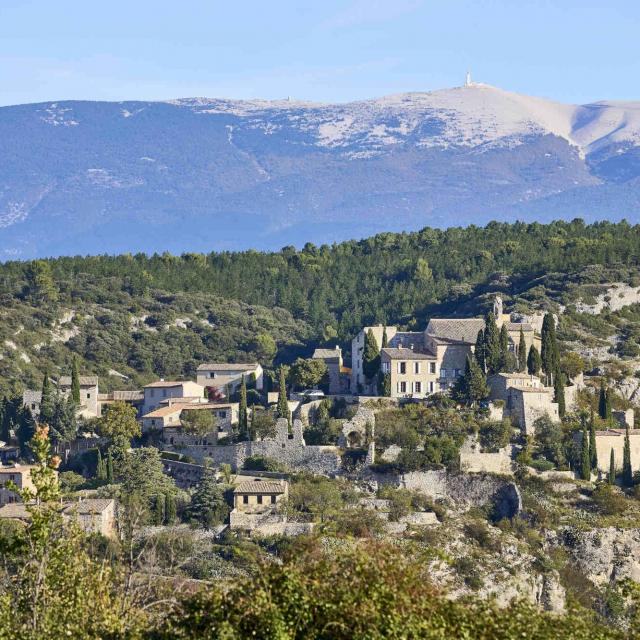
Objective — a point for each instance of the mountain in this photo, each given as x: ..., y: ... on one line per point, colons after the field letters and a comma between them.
x: 206, y: 174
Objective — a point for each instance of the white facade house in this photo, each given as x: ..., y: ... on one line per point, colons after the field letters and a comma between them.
x: 223, y: 376
x: 156, y: 392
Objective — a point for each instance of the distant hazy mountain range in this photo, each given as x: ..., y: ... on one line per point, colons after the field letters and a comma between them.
x: 202, y: 174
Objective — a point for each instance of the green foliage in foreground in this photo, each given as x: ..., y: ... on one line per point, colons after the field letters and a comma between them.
x: 376, y: 594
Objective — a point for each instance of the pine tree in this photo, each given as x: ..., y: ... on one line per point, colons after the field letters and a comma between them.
x: 243, y: 422
x: 534, y: 362
x: 585, y: 458
x: 492, y: 344
x: 109, y: 474
x: 558, y: 387
x: 627, y: 471
x: 522, y: 353
x: 593, y: 451
x: 550, y: 354
x: 75, y: 382
x: 479, y: 352
x: 101, y: 469
x: 283, y: 404
x: 370, y: 356
x: 612, y: 468
x: 46, y: 401
x: 170, y: 509
x: 504, y: 348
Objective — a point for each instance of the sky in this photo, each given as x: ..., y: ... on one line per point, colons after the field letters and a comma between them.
x: 317, y: 50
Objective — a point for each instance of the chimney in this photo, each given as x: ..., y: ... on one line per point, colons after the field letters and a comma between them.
x: 411, y: 347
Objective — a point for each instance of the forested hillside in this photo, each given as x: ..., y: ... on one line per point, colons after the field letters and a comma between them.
x: 161, y: 315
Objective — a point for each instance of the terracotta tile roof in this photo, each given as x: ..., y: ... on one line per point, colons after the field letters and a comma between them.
x: 85, y: 381
x: 163, y: 412
x: 260, y: 486
x: 16, y: 511
x: 516, y: 326
x: 226, y: 366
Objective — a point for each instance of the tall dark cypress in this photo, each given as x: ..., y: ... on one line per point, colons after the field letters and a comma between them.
x: 534, y: 363
x: 46, y: 400
x: 550, y: 354
x: 504, y: 348
x: 492, y: 344
x: 243, y: 421
x: 585, y: 458
x: 593, y: 452
x: 612, y: 468
x: 385, y: 339
x: 479, y: 352
x: 75, y: 382
x: 627, y: 471
x: 602, y: 401
x: 558, y: 387
x: 522, y: 353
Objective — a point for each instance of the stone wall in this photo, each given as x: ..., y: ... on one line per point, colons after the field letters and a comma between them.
x: 359, y: 430
x: 473, y: 460
x: 289, y: 449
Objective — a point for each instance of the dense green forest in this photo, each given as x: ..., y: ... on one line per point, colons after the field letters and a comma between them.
x: 162, y: 314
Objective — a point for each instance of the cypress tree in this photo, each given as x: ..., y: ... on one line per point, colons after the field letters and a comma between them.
x: 612, y: 468
x: 370, y: 356
x: 243, y: 422
x: 75, y: 382
x: 101, y: 469
x: 522, y: 353
x: 504, y: 348
x: 602, y: 401
x: 550, y: 354
x: 385, y: 386
x: 109, y: 473
x: 479, y: 352
x: 585, y: 458
x: 534, y: 362
x: 170, y: 509
x: 627, y: 471
x: 5, y: 421
x: 472, y: 386
x: 385, y: 340
x: 158, y: 509
x: 558, y: 387
x: 46, y: 400
x: 593, y: 452
x: 283, y: 404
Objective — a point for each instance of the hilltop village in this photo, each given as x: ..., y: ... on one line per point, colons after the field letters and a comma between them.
x: 450, y: 427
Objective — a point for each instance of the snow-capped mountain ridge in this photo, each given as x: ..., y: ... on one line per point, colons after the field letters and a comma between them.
x: 202, y: 174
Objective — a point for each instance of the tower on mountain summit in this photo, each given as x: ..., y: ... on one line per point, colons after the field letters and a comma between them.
x: 468, y: 81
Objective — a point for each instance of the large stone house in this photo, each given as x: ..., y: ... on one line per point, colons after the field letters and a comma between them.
x: 255, y: 503
x: 156, y: 392
x: 613, y: 440
x: 18, y: 474
x: 228, y: 376
x: 441, y: 349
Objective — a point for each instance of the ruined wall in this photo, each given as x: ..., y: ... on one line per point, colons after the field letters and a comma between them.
x: 473, y: 460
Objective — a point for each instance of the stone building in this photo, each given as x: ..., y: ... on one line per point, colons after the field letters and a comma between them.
x: 156, y: 392
x: 524, y: 399
x: 89, y: 406
x: 18, y: 474
x: 133, y: 398
x: 227, y: 377
x: 613, y: 439
x: 339, y: 381
x: 443, y: 346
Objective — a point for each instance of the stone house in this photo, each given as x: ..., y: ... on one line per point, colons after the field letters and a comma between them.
x: 524, y: 398
x: 133, y: 398
x: 413, y: 374
x: 255, y: 504
x: 89, y: 405
x: 228, y: 376
x: 339, y: 381
x: 8, y: 453
x: 20, y: 475
x: 225, y: 416
x: 156, y: 392
x: 447, y: 340
x: 93, y: 515
x: 31, y: 399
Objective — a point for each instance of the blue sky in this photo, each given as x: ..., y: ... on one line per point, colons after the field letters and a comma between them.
x: 321, y: 50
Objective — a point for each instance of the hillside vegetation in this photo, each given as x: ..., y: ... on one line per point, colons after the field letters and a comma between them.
x: 162, y: 315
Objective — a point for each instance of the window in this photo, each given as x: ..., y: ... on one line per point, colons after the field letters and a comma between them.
x: 432, y: 367
x: 416, y: 367
x: 403, y: 387
x: 273, y: 499
x: 212, y: 374
x: 152, y: 393
x: 456, y: 373
x: 402, y: 367
x: 245, y: 499
x: 88, y: 396
x: 259, y: 499
x: 417, y: 387
x: 431, y: 387
x: 386, y: 367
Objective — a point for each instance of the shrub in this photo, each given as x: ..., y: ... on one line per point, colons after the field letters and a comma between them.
x: 609, y: 500
x: 262, y: 463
